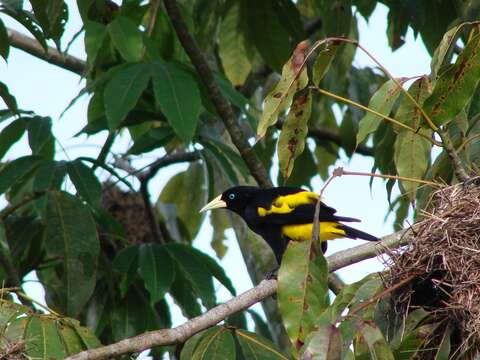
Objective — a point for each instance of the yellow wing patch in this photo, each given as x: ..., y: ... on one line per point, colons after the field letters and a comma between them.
x: 287, y: 203
x: 294, y: 200
x: 303, y: 232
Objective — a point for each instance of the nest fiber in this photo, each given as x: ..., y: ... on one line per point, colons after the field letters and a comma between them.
x: 444, y: 259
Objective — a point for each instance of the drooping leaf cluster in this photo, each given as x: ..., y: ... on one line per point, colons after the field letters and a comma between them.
x: 141, y: 84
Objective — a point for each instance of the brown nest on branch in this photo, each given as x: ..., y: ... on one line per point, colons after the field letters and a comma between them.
x: 445, y: 257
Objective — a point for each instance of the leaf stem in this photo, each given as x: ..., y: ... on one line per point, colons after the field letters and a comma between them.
x: 365, y: 108
x: 342, y: 172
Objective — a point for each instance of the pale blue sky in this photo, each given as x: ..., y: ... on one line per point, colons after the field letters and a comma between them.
x: 47, y: 90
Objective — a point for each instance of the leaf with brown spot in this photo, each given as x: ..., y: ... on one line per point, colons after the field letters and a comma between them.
x: 302, y: 290
x: 456, y: 86
x: 325, y: 343
x: 294, y: 132
x: 294, y: 78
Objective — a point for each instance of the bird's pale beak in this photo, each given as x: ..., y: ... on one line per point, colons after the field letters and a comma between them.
x: 214, y: 204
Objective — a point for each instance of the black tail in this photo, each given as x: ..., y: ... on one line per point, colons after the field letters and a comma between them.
x: 357, y: 234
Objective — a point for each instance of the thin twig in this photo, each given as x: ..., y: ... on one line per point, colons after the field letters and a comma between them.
x: 367, y: 109
x: 452, y: 154
x: 342, y: 172
x: 104, y: 151
x: 156, y: 232
x: 6, y: 212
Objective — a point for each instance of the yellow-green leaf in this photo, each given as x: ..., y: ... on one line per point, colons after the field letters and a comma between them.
x: 456, y: 86
x: 412, y: 155
x: 382, y: 102
x: 233, y: 46
x: 294, y: 132
x: 302, y: 290
x: 294, y: 78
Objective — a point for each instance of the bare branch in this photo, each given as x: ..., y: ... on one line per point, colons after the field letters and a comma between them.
x: 212, y: 317
x: 53, y: 56
x: 221, y: 104
x: 183, y: 332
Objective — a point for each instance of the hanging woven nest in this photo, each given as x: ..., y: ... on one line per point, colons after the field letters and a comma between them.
x: 444, y: 259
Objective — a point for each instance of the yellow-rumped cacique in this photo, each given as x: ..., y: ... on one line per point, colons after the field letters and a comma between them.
x: 283, y: 214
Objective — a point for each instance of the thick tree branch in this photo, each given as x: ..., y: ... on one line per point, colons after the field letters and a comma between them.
x: 53, y: 56
x: 212, y: 317
x: 221, y: 104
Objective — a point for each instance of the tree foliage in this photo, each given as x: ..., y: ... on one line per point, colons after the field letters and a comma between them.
x: 110, y: 264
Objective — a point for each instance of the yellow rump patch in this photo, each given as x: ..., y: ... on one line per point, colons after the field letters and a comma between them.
x: 287, y: 203
x: 303, y: 232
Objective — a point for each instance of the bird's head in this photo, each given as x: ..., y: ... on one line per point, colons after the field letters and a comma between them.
x: 234, y: 199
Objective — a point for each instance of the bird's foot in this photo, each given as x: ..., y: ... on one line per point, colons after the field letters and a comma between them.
x: 272, y: 274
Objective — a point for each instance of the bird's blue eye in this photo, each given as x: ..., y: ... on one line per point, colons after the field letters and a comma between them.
x: 231, y: 196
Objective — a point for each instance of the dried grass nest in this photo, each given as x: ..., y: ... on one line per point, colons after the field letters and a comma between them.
x: 445, y: 253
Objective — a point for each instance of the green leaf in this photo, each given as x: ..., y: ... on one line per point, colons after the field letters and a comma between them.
x: 11, y: 134
x: 89, y: 340
x: 254, y: 346
x: 85, y: 181
x: 28, y: 21
x: 215, y: 345
x: 4, y: 41
x: 413, y: 341
x: 40, y: 136
x: 325, y: 343
x: 123, y: 91
x: 382, y: 101
x: 444, y: 50
x: 157, y: 270
x: 294, y: 132
x: 443, y: 352
x: 71, y: 340
x: 126, y: 261
x: 195, y: 271
x: 323, y: 61
x: 13, y: 172
x: 95, y: 35
x: 233, y: 46
x: 407, y: 112
x: 42, y: 340
x: 183, y: 220
x: 294, y: 78
x: 412, y: 321
x: 8, y: 312
x: 302, y: 289
x: 8, y: 98
x: 152, y: 139
x: 49, y: 175
x: 412, y: 157
x: 215, y: 269
x: 261, y: 327
x: 52, y: 16
x: 267, y: 31
x: 127, y: 38
x: 184, y: 295
x: 213, y: 152
x: 71, y: 235
x: 456, y: 86
x: 372, y: 337
x: 177, y: 95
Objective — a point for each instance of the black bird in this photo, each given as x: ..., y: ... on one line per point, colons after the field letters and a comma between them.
x: 282, y: 214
